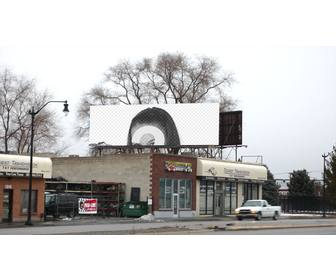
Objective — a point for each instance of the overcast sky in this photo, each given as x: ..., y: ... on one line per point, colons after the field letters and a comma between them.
x: 285, y: 86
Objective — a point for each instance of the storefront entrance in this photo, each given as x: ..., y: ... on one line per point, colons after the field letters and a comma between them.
x: 219, y: 204
x: 218, y: 198
x: 7, y: 205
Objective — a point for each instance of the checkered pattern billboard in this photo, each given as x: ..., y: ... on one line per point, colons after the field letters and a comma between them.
x: 167, y: 124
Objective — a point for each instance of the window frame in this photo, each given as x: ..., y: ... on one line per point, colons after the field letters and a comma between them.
x: 34, y: 207
x: 175, y: 181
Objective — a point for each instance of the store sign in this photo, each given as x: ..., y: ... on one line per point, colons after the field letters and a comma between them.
x: 174, y: 166
x: 236, y: 173
x: 87, y: 205
x: 17, y: 165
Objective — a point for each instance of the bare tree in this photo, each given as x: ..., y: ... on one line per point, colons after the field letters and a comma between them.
x: 98, y: 95
x: 17, y: 96
x: 168, y: 78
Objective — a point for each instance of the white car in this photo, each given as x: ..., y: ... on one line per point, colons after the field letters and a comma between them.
x: 257, y: 209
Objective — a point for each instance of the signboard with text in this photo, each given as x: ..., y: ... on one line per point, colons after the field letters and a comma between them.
x: 173, y: 166
x: 87, y: 205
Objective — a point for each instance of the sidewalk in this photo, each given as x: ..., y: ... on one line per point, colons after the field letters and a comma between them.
x: 134, y: 226
x: 85, y: 220
x: 94, y: 220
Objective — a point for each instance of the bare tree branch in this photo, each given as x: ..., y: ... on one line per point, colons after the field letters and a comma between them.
x: 170, y: 77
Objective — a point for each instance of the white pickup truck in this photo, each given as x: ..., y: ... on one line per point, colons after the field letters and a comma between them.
x: 257, y: 209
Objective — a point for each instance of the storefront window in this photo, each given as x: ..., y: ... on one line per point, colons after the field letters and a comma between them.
x: 206, y: 197
x: 162, y: 198
x: 251, y: 191
x: 188, y: 194
x: 210, y: 197
x: 180, y: 187
x: 24, y: 201
x: 227, y: 198
x: 182, y: 194
x: 233, y: 196
x: 219, y: 187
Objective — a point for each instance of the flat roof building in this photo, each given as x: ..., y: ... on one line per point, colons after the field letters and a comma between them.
x: 14, y: 183
x: 173, y: 185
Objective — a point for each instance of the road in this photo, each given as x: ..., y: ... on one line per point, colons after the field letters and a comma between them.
x: 283, y: 226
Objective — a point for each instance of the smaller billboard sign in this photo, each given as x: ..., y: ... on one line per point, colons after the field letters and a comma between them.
x: 87, y: 205
x: 173, y: 166
x: 230, y: 128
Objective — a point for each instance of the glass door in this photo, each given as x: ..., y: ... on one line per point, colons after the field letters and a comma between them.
x: 219, y: 204
x: 7, y: 206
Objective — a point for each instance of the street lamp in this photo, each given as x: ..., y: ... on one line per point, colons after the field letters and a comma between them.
x: 33, y: 113
x: 324, y: 183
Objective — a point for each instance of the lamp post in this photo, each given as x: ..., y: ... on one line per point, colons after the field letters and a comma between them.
x: 33, y: 113
x: 324, y: 183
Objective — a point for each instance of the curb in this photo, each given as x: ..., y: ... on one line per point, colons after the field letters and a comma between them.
x: 233, y: 228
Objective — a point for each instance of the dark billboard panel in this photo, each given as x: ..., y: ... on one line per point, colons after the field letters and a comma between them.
x: 230, y: 128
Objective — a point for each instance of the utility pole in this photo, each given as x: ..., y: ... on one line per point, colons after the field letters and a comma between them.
x: 324, y: 184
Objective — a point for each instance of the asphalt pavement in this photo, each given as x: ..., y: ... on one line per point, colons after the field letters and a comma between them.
x: 203, y: 225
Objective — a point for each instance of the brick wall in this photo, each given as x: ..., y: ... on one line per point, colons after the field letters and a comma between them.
x: 18, y: 184
x: 158, y: 171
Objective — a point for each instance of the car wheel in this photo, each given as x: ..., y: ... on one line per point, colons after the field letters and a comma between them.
x: 276, y: 216
x: 259, y: 216
x: 240, y: 218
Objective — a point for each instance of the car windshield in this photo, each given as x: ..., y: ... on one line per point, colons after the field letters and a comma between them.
x: 49, y: 198
x: 252, y: 203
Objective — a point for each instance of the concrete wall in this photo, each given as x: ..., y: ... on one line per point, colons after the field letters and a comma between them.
x: 131, y: 169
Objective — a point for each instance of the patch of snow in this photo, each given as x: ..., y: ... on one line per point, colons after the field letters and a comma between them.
x: 299, y: 215
x: 147, y: 218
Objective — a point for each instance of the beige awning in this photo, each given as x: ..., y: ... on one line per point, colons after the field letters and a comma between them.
x: 19, y: 165
x: 230, y: 170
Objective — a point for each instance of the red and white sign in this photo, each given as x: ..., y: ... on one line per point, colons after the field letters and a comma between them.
x: 87, y: 205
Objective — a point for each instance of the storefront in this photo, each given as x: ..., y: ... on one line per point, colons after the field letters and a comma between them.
x: 14, y: 182
x: 223, y: 186
x: 174, y: 186
x: 166, y: 182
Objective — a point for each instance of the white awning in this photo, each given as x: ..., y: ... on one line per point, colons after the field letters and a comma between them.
x: 230, y: 170
x: 16, y: 165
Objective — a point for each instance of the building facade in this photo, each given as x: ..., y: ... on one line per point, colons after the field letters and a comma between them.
x: 14, y: 184
x: 223, y: 186
x: 173, y: 185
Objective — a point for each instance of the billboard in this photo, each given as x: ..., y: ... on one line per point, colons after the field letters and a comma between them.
x: 230, y: 128
x: 167, y: 124
x: 87, y: 205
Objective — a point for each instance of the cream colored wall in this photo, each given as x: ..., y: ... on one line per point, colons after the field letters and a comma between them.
x: 133, y: 170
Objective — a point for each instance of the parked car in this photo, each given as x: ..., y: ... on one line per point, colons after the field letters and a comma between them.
x: 257, y: 209
x: 61, y: 204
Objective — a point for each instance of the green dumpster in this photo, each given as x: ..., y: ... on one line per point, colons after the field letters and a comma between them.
x: 134, y: 209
